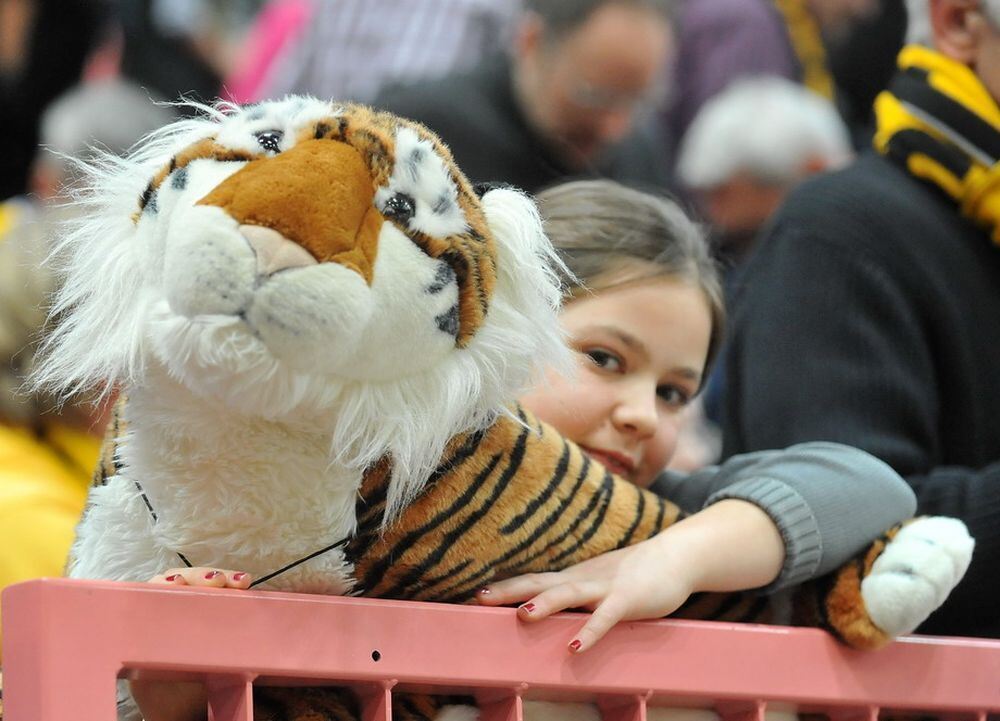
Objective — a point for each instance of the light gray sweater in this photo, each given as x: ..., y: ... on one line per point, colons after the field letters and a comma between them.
x: 828, y: 500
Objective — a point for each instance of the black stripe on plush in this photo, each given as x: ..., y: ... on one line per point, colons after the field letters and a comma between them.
x: 640, y: 511
x: 409, y: 541
x: 514, y: 462
x: 555, y: 480
x: 546, y: 526
x: 605, y: 495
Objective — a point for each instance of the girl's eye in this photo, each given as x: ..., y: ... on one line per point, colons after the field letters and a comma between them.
x: 674, y: 396
x: 605, y: 360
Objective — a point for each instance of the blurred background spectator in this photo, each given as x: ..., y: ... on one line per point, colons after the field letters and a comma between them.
x: 568, y: 99
x: 48, y: 450
x: 751, y: 144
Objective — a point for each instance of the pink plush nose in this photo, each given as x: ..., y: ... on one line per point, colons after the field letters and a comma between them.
x: 274, y: 251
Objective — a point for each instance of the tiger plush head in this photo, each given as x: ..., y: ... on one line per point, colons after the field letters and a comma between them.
x: 319, y: 263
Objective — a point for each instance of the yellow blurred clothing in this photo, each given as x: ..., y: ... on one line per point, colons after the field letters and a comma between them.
x: 44, y: 478
x: 8, y: 217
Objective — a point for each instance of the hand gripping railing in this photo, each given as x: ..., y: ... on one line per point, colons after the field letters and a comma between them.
x: 65, y: 642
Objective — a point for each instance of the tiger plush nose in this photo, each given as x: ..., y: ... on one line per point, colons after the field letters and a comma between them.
x: 274, y: 251
x: 311, y: 204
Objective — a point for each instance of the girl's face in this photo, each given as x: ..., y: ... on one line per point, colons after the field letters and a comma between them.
x: 641, y: 350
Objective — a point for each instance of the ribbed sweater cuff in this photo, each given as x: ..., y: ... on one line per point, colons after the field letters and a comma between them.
x: 795, y: 521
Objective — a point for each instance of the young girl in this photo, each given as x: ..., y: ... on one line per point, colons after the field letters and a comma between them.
x: 645, y: 314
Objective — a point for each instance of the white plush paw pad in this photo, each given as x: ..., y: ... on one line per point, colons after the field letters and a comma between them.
x: 916, y: 572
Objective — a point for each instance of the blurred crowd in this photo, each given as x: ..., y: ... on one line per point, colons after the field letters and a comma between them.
x: 741, y: 108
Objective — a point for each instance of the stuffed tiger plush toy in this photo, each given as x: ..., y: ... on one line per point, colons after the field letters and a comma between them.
x: 319, y: 330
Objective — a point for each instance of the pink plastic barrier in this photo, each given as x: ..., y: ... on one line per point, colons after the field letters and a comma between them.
x: 65, y: 643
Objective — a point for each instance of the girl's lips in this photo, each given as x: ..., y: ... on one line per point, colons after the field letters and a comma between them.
x: 617, y: 463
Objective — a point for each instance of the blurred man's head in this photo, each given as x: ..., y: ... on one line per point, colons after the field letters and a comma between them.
x: 969, y: 31
x: 751, y: 144
x: 584, y: 69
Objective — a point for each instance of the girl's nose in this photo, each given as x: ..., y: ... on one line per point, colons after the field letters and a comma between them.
x: 635, y: 414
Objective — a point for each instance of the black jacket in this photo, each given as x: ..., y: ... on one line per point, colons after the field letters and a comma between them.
x: 870, y: 315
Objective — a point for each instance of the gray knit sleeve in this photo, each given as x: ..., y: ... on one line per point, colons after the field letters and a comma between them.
x: 827, y: 500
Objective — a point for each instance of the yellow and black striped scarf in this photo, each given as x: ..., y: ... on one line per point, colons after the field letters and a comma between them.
x: 939, y: 122
x: 807, y: 44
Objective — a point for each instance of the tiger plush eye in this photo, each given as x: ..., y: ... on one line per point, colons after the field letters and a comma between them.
x: 400, y: 207
x: 269, y: 140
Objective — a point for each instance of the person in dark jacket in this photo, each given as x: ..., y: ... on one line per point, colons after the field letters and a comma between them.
x: 870, y: 312
x: 568, y: 101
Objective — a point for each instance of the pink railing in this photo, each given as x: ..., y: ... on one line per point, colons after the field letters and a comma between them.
x: 65, y: 643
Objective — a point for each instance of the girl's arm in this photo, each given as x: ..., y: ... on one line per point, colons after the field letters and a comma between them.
x: 774, y: 519
x: 828, y: 501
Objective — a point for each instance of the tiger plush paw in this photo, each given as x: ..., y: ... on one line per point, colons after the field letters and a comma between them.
x: 915, y: 573
x: 895, y: 584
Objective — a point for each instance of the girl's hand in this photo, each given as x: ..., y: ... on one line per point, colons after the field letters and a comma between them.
x: 730, y: 546
x: 182, y: 701
x: 203, y: 577
x: 643, y: 581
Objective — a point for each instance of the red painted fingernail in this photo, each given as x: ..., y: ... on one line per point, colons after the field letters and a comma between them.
x: 484, y: 591
x: 574, y: 645
x: 211, y: 574
x: 171, y: 579
x: 239, y: 576
x: 529, y: 607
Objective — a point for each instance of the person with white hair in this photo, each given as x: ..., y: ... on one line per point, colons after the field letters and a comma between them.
x: 750, y: 145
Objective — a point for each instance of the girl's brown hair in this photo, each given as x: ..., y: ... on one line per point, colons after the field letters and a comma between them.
x: 609, y: 235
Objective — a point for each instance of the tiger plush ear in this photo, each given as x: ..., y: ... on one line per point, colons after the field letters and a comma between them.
x: 528, y: 294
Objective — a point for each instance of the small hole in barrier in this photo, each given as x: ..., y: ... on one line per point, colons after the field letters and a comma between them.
x: 376, y: 655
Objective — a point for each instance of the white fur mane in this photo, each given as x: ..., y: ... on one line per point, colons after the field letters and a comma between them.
x: 99, y: 340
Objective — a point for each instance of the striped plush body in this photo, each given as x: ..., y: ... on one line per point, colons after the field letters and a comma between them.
x: 320, y: 329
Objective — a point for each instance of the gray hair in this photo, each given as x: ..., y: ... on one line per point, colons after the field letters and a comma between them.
x: 765, y: 126
x: 608, y: 235
x: 109, y: 116
x: 561, y: 17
